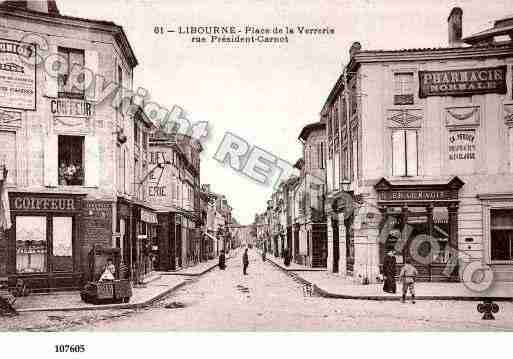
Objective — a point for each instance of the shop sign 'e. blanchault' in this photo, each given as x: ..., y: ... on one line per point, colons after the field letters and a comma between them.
x: 463, y: 81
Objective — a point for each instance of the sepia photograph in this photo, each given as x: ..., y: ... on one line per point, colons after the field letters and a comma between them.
x: 267, y: 166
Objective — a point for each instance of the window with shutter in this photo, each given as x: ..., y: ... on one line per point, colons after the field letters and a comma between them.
x: 404, y: 153
x: 92, y: 161
x: 72, y: 57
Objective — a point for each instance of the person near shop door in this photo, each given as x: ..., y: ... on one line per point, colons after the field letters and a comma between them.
x: 389, y: 271
x: 245, y: 262
x: 222, y: 260
x: 407, y: 276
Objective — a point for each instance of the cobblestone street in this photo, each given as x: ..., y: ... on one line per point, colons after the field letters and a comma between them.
x: 267, y: 299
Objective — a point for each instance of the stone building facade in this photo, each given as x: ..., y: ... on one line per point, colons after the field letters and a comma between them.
x: 420, y: 143
x: 71, y: 155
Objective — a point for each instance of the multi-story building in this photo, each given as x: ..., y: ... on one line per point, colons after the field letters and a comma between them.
x: 312, y: 248
x: 218, y: 214
x: 71, y: 155
x: 174, y: 191
x: 420, y: 142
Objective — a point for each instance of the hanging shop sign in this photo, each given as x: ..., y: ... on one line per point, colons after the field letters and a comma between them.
x: 17, y: 75
x: 462, y: 82
x: 462, y: 145
x: 148, y: 217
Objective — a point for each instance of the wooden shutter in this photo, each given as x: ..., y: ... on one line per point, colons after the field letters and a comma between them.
x: 510, y: 132
x: 411, y: 153
x: 398, y: 153
x: 91, y: 63
x: 51, y: 83
x: 92, y: 161
x: 51, y: 154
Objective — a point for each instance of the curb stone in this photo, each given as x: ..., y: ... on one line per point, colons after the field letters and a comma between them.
x: 137, y: 305
x: 191, y: 274
x: 325, y: 294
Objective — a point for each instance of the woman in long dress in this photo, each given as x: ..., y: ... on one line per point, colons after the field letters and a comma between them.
x: 389, y: 271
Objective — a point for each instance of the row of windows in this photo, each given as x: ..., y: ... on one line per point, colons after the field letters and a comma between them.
x: 315, y: 157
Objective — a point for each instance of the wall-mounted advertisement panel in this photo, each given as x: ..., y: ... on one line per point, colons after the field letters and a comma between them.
x: 17, y: 75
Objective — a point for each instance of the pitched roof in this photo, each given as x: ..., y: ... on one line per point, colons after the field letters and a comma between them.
x: 21, y: 8
x: 305, y: 132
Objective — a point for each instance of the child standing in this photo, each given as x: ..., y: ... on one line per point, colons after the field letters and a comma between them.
x: 407, y: 277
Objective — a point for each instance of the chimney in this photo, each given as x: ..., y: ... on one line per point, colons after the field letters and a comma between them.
x: 39, y: 6
x: 454, y: 22
x: 355, y: 47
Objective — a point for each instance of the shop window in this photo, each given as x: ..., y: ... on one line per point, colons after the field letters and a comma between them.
x: 62, y: 248
x: 404, y: 153
x: 441, y: 234
x: 501, y: 234
x: 71, y: 57
x: 8, y: 156
x: 31, y: 244
x: 403, y: 88
x: 71, y: 160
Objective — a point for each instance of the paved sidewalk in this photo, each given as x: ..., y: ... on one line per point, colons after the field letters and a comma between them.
x: 70, y: 301
x: 155, y: 287
x: 331, y: 285
x: 293, y: 267
x: 196, y: 270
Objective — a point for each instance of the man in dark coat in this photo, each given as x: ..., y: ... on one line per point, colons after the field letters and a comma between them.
x: 222, y: 261
x: 245, y: 261
x: 389, y: 271
x: 286, y: 259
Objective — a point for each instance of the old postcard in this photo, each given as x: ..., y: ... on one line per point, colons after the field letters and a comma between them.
x: 274, y: 165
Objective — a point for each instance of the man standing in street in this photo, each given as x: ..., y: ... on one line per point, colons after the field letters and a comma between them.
x: 407, y: 277
x: 245, y: 261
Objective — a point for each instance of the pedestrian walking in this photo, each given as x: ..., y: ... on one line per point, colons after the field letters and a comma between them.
x: 286, y: 260
x: 245, y: 261
x: 389, y: 271
x: 222, y: 260
x: 407, y: 276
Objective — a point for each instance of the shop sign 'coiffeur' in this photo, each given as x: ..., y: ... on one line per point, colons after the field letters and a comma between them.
x: 71, y: 108
x: 462, y: 82
x: 17, y: 75
x: 43, y: 204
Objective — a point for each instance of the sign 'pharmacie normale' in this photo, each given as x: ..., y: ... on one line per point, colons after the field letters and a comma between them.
x: 17, y: 75
x: 463, y: 81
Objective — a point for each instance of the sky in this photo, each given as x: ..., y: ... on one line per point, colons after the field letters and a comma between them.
x: 266, y: 93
